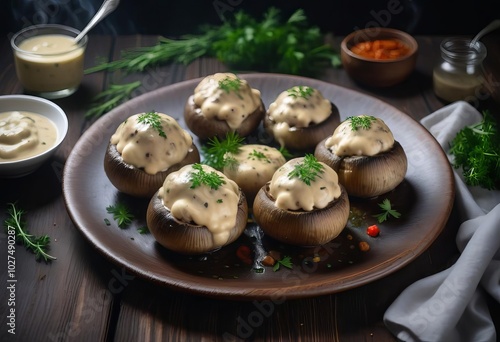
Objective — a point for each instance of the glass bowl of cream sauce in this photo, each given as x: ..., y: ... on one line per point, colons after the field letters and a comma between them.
x: 48, y: 61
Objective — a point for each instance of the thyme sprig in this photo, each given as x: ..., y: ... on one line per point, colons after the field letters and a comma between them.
x: 121, y: 214
x: 110, y: 98
x: 200, y: 177
x: 153, y: 120
x: 307, y: 170
x: 39, y: 245
x: 362, y: 121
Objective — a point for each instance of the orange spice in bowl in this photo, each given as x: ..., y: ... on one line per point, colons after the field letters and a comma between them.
x: 381, y: 49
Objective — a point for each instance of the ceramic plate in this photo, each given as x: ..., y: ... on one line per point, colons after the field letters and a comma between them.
x: 424, y: 199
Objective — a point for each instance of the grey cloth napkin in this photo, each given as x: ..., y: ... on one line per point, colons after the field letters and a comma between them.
x: 451, y: 305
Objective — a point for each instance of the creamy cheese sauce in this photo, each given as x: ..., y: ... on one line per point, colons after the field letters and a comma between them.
x: 24, y: 135
x: 360, y: 142
x: 203, y: 206
x: 297, y: 107
x: 230, y: 106
x: 50, y: 62
x: 142, y: 146
x: 291, y: 193
x: 254, y: 165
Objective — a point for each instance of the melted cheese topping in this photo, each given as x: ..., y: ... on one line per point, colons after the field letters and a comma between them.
x: 290, y: 111
x: 254, y: 165
x: 141, y: 145
x: 360, y: 142
x: 230, y: 106
x: 24, y: 135
x: 291, y: 193
x: 203, y: 206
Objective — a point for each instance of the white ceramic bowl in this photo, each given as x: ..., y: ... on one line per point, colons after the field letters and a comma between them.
x: 19, y: 168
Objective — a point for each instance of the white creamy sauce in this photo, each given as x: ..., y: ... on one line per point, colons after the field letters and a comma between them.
x: 360, y: 142
x: 290, y: 110
x: 25, y: 134
x: 291, y: 193
x: 254, y: 165
x: 142, y: 146
x: 51, y: 62
x: 203, y: 206
x: 231, y: 106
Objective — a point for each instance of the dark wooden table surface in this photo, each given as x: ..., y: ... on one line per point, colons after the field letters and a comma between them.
x: 81, y: 296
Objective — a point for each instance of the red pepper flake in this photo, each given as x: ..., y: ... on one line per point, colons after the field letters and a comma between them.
x: 244, y: 254
x: 373, y: 231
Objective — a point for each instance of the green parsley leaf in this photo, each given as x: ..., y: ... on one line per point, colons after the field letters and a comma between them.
x: 285, y: 262
x: 300, y: 91
x: 387, y: 210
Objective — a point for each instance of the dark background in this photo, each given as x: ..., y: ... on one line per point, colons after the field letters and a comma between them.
x: 178, y: 17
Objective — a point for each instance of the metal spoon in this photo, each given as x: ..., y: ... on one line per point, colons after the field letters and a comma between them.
x: 107, y: 7
x: 491, y: 27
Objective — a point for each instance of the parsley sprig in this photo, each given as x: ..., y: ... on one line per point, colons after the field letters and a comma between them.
x: 387, y: 210
x: 39, y: 245
x: 300, y: 91
x: 285, y: 262
x: 215, y: 150
x: 476, y: 149
x: 153, y: 119
x: 200, y: 177
x: 307, y: 170
x: 362, y: 121
x: 121, y: 214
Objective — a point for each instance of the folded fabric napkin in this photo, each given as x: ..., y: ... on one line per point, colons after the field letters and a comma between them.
x: 451, y: 305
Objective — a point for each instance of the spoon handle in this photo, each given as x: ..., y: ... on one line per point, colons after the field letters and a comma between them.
x: 107, y: 7
x: 491, y: 27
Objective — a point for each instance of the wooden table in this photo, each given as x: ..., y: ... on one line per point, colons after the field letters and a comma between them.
x: 83, y: 297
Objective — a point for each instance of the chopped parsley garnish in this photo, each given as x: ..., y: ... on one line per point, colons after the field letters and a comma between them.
x: 362, y: 121
x: 259, y: 155
x: 152, y: 119
x: 387, y: 210
x: 300, y: 91
x: 201, y: 177
x: 307, y: 170
x: 229, y: 84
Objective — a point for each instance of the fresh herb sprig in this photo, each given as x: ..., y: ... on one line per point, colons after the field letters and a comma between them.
x: 256, y: 155
x: 215, y: 150
x: 476, y: 149
x: 362, y: 121
x: 229, y: 84
x: 285, y: 262
x: 200, y: 177
x: 307, y: 170
x: 39, y: 245
x: 153, y: 120
x: 244, y: 43
x: 387, y: 210
x: 300, y: 91
x: 110, y: 98
x: 121, y: 214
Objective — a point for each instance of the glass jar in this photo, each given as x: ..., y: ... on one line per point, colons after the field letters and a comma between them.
x: 459, y: 73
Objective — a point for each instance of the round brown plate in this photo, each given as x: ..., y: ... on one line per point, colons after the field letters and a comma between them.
x: 424, y: 199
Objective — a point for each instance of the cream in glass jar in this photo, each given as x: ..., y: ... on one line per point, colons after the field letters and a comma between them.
x: 459, y: 73
x: 48, y: 61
